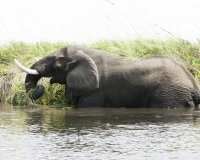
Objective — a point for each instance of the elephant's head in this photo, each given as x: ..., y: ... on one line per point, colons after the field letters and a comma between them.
x: 67, y: 66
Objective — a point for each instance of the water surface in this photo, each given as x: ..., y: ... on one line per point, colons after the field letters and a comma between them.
x: 98, y: 133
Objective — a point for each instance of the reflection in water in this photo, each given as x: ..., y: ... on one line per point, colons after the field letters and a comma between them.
x: 99, y: 133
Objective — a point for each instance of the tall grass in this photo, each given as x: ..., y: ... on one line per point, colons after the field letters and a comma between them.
x: 12, y: 79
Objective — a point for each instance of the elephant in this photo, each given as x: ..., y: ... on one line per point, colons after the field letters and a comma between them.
x: 100, y: 79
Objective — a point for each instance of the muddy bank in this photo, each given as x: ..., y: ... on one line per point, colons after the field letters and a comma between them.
x: 5, y: 86
x: 8, y: 82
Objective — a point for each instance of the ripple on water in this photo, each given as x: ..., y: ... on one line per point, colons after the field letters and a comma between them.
x: 100, y: 134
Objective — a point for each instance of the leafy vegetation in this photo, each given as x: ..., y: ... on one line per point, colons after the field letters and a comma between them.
x: 12, y: 79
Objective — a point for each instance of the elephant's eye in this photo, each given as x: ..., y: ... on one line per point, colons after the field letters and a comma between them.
x: 53, y: 60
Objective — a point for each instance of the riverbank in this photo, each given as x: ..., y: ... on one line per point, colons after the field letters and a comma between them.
x: 12, y: 79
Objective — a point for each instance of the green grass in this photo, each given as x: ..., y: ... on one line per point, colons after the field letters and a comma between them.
x: 12, y: 79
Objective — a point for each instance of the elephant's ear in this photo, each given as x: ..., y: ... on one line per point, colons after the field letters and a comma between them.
x: 82, y: 77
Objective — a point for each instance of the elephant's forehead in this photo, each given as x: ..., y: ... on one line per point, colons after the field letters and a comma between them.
x: 57, y: 54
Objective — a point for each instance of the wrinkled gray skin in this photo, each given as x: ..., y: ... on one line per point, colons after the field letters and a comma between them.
x: 100, y: 79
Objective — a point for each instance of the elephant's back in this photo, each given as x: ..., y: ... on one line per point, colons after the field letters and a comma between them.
x: 162, y: 70
x: 178, y: 73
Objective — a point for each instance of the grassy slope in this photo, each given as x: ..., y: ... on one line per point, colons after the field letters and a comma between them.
x: 12, y: 79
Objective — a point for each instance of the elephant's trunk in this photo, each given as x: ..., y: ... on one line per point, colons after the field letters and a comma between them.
x: 30, y: 83
x: 31, y: 80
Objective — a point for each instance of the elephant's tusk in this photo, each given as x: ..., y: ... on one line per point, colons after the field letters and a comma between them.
x: 36, y: 59
x: 27, y: 70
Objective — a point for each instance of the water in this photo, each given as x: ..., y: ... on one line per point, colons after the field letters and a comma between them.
x: 98, y: 133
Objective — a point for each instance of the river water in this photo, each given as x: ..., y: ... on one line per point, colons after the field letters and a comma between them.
x: 98, y: 133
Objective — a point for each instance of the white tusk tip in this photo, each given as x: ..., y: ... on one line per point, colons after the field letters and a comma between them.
x: 27, y: 70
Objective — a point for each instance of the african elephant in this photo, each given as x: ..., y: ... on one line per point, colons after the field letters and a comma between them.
x: 100, y: 79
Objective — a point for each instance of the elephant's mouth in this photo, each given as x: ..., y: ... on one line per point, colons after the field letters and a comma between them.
x: 53, y: 80
x: 57, y: 79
